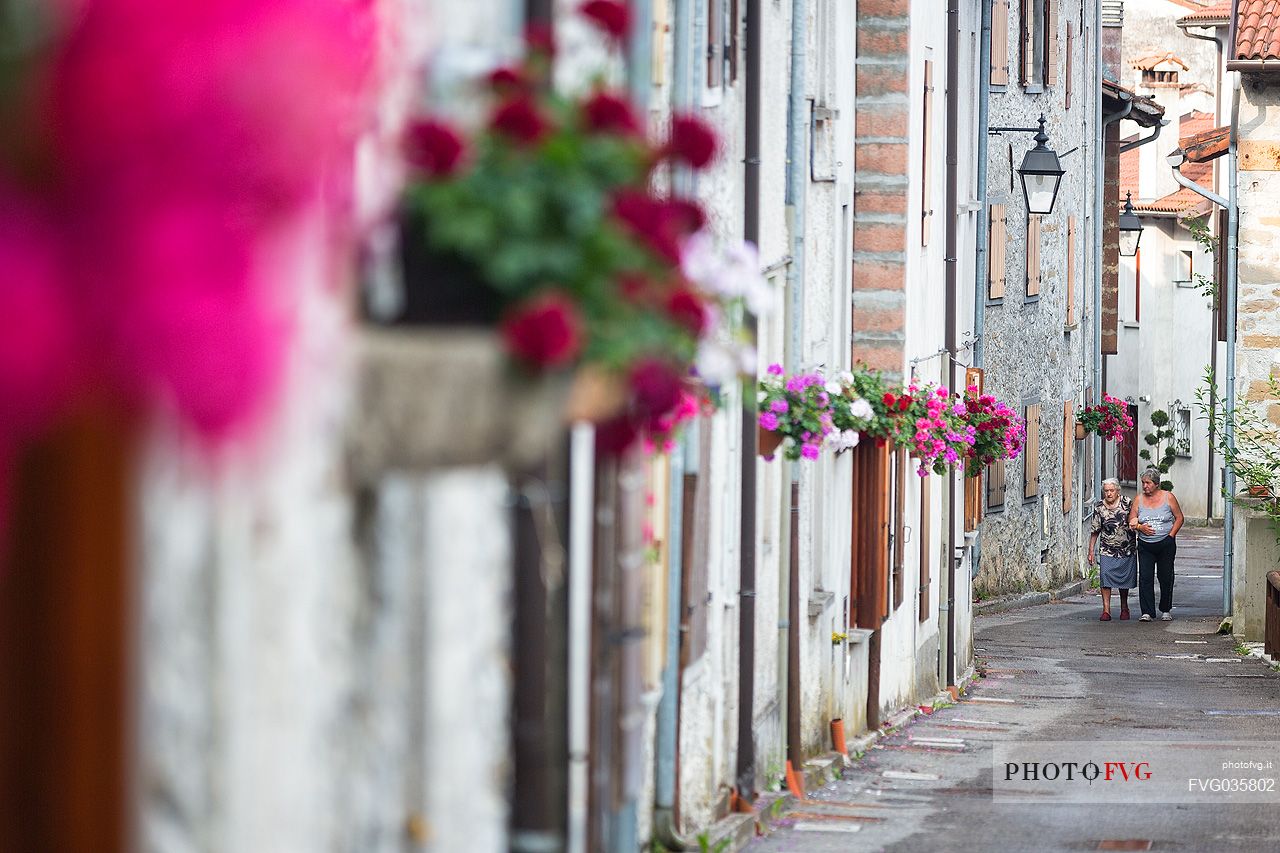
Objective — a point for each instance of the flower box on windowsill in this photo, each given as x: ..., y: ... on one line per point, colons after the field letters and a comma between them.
x: 447, y: 398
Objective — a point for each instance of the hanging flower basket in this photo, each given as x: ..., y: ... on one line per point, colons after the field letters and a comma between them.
x: 769, y: 442
x: 1081, y: 432
x: 1109, y: 419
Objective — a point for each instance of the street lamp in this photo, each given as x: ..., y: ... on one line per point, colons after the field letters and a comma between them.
x: 1040, y: 171
x: 1130, y: 228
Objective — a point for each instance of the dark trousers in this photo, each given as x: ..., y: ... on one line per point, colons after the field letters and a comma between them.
x: 1155, y: 560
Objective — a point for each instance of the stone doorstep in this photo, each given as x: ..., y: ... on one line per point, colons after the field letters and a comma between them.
x: 1006, y: 603
x: 740, y: 829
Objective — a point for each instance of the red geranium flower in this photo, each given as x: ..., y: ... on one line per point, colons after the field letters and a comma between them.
x: 615, y: 436
x: 507, y: 79
x: 692, y: 141
x: 611, y: 16
x: 609, y: 113
x: 904, y: 403
x: 545, y: 331
x: 889, y: 400
x: 540, y: 39
x: 655, y: 386
x: 662, y: 223
x: 519, y: 119
x: 433, y: 147
x: 687, y: 310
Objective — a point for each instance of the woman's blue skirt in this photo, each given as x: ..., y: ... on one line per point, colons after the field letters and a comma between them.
x: 1118, y: 572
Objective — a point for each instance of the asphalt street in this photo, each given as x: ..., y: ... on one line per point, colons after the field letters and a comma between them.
x: 1055, y: 673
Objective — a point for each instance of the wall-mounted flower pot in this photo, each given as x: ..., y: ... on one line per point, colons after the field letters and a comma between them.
x: 769, y: 442
x: 1263, y: 491
x: 1081, y: 432
x: 445, y: 399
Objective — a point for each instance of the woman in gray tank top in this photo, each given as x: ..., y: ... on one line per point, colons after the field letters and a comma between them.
x: 1157, y: 518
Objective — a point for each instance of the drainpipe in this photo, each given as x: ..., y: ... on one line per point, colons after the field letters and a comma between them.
x: 981, y: 235
x: 1099, y: 208
x: 797, y: 173
x: 665, y: 828
x: 1233, y: 236
x: 746, y: 763
x: 953, y: 270
x: 581, y: 522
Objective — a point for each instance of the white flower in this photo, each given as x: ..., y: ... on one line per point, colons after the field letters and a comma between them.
x: 845, y: 378
x: 747, y: 360
x: 833, y: 387
x: 699, y: 259
x: 846, y: 440
x: 861, y: 409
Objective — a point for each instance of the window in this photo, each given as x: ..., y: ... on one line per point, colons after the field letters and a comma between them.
x: 1000, y: 42
x: 1071, y: 272
x: 996, y: 239
x: 1185, y: 275
x: 1182, y: 431
x: 722, y: 42
x: 1038, y: 21
x: 926, y: 183
x: 995, y: 485
x: 1031, y: 453
x: 1033, y: 256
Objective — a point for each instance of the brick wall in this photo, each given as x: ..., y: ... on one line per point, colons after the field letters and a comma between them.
x: 881, y: 183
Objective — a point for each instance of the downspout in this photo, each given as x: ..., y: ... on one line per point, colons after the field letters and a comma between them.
x: 665, y: 829
x: 797, y: 172
x: 952, y: 272
x: 746, y: 758
x: 1233, y: 234
x: 980, y: 271
x: 581, y: 523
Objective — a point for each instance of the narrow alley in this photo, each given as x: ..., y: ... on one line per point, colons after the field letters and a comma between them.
x: 1054, y: 672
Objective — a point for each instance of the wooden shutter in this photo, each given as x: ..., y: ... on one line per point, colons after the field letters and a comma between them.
x: 1220, y: 276
x: 735, y: 25
x: 1071, y: 270
x: 1026, y: 37
x: 996, y: 240
x: 1031, y: 453
x: 694, y: 586
x: 926, y: 183
x: 1051, y: 42
x: 869, y: 546
x: 1000, y: 43
x: 715, y: 43
x: 973, y: 485
x: 995, y: 484
x: 926, y: 550
x: 1033, y: 254
x: 1071, y: 36
x: 1068, y: 452
x: 899, y: 525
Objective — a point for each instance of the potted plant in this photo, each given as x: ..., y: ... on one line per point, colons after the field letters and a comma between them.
x: 999, y: 433
x: 1254, y: 456
x: 543, y: 227
x: 1108, y: 419
x: 795, y: 413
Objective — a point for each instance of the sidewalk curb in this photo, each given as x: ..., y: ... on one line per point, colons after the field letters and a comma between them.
x: 1005, y: 603
x: 741, y: 829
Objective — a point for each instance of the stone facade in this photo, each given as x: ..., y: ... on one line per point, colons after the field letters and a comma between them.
x: 1032, y: 354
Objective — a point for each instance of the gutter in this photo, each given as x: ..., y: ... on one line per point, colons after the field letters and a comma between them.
x: 1146, y: 140
x: 952, y: 286
x: 746, y: 756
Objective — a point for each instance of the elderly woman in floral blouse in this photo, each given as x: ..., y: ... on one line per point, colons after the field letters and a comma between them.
x: 1117, y: 561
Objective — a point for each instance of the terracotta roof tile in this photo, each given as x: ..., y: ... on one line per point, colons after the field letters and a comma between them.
x: 1218, y: 13
x: 1146, y: 63
x: 1182, y: 201
x: 1129, y: 172
x: 1206, y: 145
x: 1257, y: 30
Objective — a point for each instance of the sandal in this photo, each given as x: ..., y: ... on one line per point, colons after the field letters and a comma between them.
x: 1105, y: 617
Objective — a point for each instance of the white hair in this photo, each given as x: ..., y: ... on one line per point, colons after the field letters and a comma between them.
x: 1111, y: 481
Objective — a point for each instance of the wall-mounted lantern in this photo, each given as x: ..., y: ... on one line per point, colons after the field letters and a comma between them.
x: 1041, y: 172
x: 1130, y: 228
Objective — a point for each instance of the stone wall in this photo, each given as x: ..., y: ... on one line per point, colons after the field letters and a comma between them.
x: 1031, y: 354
